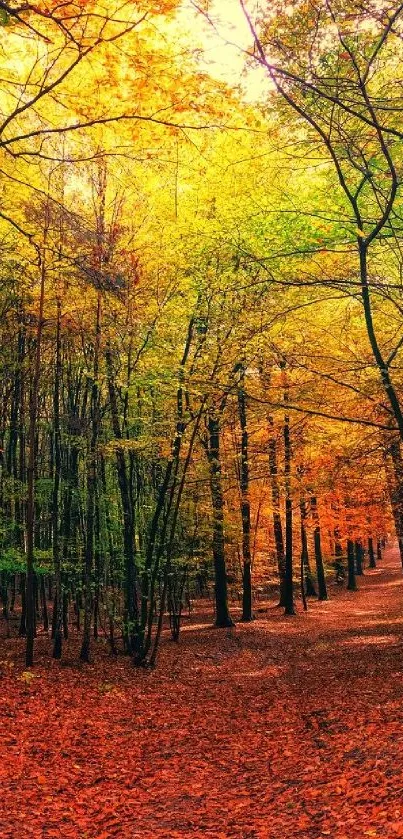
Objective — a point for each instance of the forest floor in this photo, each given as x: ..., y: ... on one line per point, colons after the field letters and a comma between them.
x: 289, y: 727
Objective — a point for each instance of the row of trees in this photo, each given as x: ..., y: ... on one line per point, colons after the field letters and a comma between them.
x: 200, y: 341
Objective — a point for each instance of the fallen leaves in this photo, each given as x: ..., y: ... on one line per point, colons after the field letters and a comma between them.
x: 233, y: 737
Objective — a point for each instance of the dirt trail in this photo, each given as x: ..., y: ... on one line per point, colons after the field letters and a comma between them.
x: 287, y: 728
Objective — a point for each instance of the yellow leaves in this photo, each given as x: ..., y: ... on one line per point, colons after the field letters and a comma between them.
x: 27, y: 677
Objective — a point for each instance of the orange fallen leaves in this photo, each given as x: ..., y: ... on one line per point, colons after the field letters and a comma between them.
x: 209, y: 747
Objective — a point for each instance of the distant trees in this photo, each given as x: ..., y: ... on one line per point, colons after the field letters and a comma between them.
x: 339, y: 80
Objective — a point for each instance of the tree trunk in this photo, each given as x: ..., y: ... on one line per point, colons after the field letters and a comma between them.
x: 308, y: 582
x: 91, y: 489
x: 245, y: 504
x: 358, y: 559
x: 277, y: 523
x: 351, y: 582
x: 288, y: 581
x: 395, y: 486
x: 57, y: 629
x: 130, y: 591
x: 371, y: 553
x: 43, y: 604
x: 320, y: 571
x: 223, y: 617
x: 22, y: 631
x: 32, y: 434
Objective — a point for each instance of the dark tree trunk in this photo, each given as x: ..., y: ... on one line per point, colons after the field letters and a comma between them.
x: 167, y: 505
x: 223, y: 617
x: 5, y: 599
x: 13, y: 592
x: 58, y: 611
x: 288, y: 579
x: 97, y: 557
x: 22, y: 631
x: 245, y: 504
x: 371, y: 553
x: 44, y: 605
x: 91, y: 489
x: 351, y: 582
x: 65, y: 614
x: 395, y: 485
x: 277, y: 523
x: 32, y: 439
x: 308, y: 582
x: 130, y: 590
x: 358, y: 559
x: 338, y: 549
x: 320, y: 571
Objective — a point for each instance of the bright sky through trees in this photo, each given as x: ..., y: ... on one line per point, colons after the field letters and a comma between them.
x: 223, y: 42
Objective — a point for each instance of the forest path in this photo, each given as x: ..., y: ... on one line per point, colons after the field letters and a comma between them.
x: 286, y: 728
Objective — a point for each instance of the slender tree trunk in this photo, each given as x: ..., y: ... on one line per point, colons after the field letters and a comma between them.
x: 245, y: 504
x: 22, y: 631
x: 302, y: 583
x: 395, y: 486
x: 277, y: 523
x: 371, y: 553
x: 309, y: 586
x: 32, y: 434
x: 44, y: 605
x: 14, y: 505
x: 98, y: 559
x: 170, y: 543
x: 91, y: 489
x: 351, y: 582
x: 320, y: 571
x: 57, y: 631
x: 5, y: 599
x: 223, y: 617
x: 288, y: 581
x: 358, y: 559
x: 165, y: 500
x: 130, y: 590
x: 338, y: 549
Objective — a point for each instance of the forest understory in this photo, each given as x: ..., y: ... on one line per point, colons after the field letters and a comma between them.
x: 287, y: 727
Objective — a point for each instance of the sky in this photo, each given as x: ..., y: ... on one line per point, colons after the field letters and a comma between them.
x: 223, y: 45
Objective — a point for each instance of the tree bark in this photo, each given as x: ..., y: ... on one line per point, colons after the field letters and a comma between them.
x: 130, y: 591
x: 58, y: 635
x: 371, y: 553
x: 288, y: 577
x: 351, y: 582
x: 308, y: 582
x: 275, y: 498
x: 320, y: 571
x: 358, y: 559
x: 247, y: 614
x: 32, y: 433
x: 91, y: 489
x: 223, y: 617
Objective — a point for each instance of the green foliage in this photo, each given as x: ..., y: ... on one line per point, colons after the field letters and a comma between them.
x: 13, y: 561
